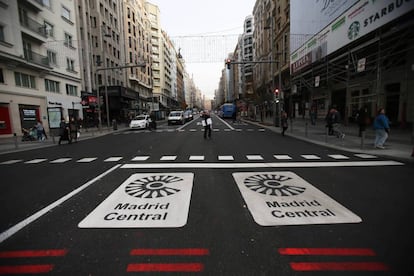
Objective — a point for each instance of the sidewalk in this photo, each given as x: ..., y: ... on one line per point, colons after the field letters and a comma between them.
x: 15, y: 144
x: 399, y: 144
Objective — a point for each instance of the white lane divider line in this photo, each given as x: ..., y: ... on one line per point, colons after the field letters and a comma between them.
x: 17, y: 227
x: 316, y: 164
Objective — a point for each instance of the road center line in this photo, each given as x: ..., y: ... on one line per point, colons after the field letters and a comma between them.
x: 260, y: 165
x: 14, y: 229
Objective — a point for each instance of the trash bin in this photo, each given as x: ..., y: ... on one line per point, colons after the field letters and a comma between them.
x: 114, y: 124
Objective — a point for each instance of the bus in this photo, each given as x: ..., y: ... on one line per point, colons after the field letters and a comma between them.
x: 227, y: 110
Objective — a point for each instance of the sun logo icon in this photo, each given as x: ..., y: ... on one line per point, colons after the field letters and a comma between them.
x: 272, y: 184
x: 153, y: 186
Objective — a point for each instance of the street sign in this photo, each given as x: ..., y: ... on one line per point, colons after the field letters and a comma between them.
x: 283, y: 198
x: 145, y: 200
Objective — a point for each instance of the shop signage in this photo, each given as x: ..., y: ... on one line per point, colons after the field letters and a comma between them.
x: 283, y: 198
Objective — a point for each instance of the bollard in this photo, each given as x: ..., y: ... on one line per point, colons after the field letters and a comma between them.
x: 326, y: 134
x: 16, y: 145
x: 362, y: 139
x: 306, y: 129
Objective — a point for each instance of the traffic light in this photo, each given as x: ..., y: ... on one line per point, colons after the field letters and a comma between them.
x: 228, y: 63
x: 277, y: 93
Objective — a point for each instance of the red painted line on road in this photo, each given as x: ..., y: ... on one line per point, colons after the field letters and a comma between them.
x: 166, y: 267
x: 170, y: 251
x: 26, y: 269
x: 338, y: 266
x: 327, y: 251
x: 33, y: 253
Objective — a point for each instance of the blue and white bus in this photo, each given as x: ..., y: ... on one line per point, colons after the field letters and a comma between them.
x: 227, y: 110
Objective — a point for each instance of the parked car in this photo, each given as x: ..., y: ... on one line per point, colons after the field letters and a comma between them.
x: 176, y: 117
x: 188, y: 115
x: 142, y: 121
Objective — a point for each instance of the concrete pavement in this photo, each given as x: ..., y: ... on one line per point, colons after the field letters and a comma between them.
x: 399, y: 144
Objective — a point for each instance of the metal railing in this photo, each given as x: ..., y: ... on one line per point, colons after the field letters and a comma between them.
x: 34, y: 26
x: 36, y: 58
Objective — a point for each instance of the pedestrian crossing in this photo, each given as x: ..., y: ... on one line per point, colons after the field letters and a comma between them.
x: 193, y: 158
x: 180, y: 130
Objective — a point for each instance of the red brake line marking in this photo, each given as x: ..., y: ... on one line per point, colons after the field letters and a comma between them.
x: 33, y: 253
x: 178, y: 267
x: 327, y: 251
x: 170, y: 251
x: 26, y: 269
x: 349, y: 266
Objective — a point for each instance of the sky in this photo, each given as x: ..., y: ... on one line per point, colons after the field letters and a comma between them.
x: 206, y: 31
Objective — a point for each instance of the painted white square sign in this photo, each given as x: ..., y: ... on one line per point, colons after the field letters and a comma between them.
x: 283, y: 198
x: 145, y: 200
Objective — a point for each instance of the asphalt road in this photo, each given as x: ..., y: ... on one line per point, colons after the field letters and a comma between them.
x: 246, y: 202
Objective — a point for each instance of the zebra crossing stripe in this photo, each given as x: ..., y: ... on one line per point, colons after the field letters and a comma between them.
x: 9, y: 162
x: 196, y: 158
x: 310, y: 156
x: 36, y: 161
x: 365, y: 156
x: 140, y: 158
x: 254, y: 157
x: 225, y: 158
x: 338, y: 156
x: 168, y: 158
x: 60, y: 160
x: 282, y: 157
x: 113, y: 159
x: 86, y: 160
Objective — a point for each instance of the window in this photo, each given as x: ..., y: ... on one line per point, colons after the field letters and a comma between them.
x: 52, y: 86
x: 52, y: 57
x: 46, y: 3
x: 68, y: 40
x: 2, y: 38
x: 1, y: 76
x: 71, y: 90
x: 65, y: 13
x: 70, y: 64
x: 49, y: 29
x: 24, y: 80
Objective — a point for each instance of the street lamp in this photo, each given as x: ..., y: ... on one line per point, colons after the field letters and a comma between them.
x: 105, y: 34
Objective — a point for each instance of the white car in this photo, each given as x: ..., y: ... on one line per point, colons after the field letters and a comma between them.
x: 176, y: 117
x: 140, y: 122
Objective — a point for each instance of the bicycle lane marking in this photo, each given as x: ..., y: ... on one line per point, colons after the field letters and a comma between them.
x: 17, y: 227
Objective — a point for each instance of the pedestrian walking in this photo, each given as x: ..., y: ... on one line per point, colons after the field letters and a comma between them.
x: 382, y: 129
x: 63, y: 131
x: 328, y: 121
x: 284, y: 120
x: 312, y: 114
x: 73, y: 130
x: 40, y: 130
x: 207, y: 124
x: 363, y: 119
x: 334, y: 120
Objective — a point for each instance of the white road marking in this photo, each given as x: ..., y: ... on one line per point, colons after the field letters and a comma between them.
x: 87, y: 160
x: 338, y: 156
x: 60, y: 160
x: 196, y: 158
x: 254, y: 157
x: 17, y: 227
x: 225, y: 158
x: 310, y: 156
x: 282, y: 157
x: 140, y: 158
x: 113, y: 159
x: 11, y: 162
x: 262, y: 165
x: 36, y: 161
x: 365, y: 156
x: 168, y: 158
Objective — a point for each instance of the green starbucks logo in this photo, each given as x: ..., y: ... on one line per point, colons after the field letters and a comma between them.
x: 353, y: 30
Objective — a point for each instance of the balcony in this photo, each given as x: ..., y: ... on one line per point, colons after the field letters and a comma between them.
x: 34, y: 5
x: 33, y: 57
x: 34, y: 29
